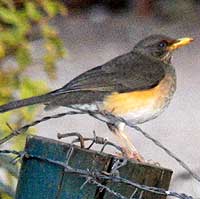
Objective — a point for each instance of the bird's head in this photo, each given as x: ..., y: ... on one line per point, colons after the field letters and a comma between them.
x: 160, y: 46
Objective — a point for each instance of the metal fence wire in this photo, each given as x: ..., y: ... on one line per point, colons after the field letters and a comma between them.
x: 95, y: 177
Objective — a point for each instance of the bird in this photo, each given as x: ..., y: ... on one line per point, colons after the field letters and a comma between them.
x: 136, y: 86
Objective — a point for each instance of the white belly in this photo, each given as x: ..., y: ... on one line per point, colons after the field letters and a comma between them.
x: 142, y: 115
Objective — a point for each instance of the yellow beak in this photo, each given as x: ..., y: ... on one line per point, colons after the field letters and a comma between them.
x: 179, y: 43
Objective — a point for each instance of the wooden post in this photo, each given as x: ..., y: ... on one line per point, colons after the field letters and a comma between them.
x: 40, y: 179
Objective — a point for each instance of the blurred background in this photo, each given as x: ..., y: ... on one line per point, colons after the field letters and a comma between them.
x: 44, y: 44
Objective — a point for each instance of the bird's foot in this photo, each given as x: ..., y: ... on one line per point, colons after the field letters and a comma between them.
x: 133, y: 155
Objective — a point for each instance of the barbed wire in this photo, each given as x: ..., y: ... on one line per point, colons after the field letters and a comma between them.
x: 106, y: 118
x: 23, y: 129
x: 109, y: 118
x: 114, y: 119
x: 94, y: 177
x: 95, y: 140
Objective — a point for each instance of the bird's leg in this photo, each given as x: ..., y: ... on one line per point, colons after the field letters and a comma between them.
x: 129, y: 149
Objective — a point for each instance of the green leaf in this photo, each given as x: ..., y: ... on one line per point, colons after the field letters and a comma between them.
x: 9, y: 17
x: 48, y: 31
x: 8, y: 37
x: 30, y: 87
x: 51, y: 7
x: 32, y: 11
x: 23, y: 57
x: 3, y: 119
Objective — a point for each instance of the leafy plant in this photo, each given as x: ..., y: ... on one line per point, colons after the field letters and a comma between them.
x: 18, y: 22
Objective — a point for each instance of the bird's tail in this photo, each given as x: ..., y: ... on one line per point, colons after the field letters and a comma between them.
x: 25, y: 102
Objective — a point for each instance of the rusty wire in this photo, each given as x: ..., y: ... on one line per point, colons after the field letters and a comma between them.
x: 94, y: 177
x: 104, y: 117
x: 94, y: 140
x: 107, y: 118
x: 23, y: 129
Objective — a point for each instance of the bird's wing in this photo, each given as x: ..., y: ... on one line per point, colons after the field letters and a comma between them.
x: 129, y: 72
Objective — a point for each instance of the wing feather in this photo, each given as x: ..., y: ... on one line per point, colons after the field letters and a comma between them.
x: 129, y: 72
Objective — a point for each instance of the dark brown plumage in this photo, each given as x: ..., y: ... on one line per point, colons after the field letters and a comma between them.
x: 138, y: 70
x: 137, y: 85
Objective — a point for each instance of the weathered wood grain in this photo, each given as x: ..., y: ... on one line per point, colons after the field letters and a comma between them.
x: 41, y: 179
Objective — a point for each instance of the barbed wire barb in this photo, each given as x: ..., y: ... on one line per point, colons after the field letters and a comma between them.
x: 92, y: 176
x: 106, y: 118
x: 24, y: 128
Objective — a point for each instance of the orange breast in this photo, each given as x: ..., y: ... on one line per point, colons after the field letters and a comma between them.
x: 137, y: 101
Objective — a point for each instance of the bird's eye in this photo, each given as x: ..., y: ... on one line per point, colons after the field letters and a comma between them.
x: 163, y: 44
